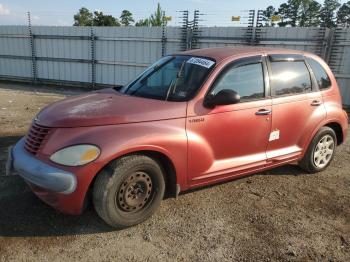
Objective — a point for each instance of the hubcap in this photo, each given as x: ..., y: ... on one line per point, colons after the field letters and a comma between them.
x: 324, y: 151
x: 135, y: 192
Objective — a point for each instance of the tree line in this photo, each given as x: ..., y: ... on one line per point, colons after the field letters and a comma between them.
x: 294, y: 13
x: 307, y: 13
x: 87, y: 18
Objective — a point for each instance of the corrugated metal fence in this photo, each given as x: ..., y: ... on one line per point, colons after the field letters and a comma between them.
x: 115, y: 55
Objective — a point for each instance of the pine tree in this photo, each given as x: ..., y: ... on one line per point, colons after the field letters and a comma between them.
x: 126, y: 18
x: 327, y: 14
x: 83, y: 18
x: 343, y: 15
x: 267, y: 16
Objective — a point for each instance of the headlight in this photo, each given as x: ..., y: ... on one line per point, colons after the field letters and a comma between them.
x: 76, y: 155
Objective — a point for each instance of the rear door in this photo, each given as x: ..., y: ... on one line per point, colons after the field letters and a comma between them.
x: 297, y: 107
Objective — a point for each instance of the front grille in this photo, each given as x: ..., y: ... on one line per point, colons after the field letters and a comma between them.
x: 35, y: 137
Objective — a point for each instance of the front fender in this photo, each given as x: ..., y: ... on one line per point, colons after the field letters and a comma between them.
x: 167, y: 137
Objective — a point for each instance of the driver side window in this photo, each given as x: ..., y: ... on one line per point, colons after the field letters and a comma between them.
x: 246, y: 80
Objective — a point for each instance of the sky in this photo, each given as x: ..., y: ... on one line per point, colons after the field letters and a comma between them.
x: 60, y: 12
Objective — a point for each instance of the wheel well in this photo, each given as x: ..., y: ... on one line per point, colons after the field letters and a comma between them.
x: 165, y: 163
x: 169, y: 170
x: 338, y: 131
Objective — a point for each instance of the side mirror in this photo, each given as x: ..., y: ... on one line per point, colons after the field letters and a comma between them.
x: 224, y: 97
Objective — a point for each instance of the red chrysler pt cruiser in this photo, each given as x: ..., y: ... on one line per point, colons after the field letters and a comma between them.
x: 190, y: 119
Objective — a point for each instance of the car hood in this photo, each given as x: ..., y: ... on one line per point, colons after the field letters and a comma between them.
x: 107, y: 107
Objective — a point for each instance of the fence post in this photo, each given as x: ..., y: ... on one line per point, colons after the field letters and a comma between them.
x: 93, y: 61
x: 195, y: 30
x: 163, y: 34
x: 184, y: 31
x: 336, y: 52
x: 328, y: 45
x: 249, y: 35
x: 32, y: 48
x: 257, y: 33
x: 323, y: 42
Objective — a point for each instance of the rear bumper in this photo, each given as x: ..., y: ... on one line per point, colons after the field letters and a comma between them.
x: 39, y: 173
x: 346, y: 125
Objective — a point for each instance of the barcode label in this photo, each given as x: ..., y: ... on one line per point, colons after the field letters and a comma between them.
x: 201, y: 62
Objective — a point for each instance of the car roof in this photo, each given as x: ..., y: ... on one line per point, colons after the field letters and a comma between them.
x: 221, y: 53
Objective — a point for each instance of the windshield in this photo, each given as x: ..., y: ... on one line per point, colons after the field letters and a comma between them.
x: 172, y: 78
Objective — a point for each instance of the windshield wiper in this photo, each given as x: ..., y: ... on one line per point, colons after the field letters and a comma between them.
x: 173, y: 83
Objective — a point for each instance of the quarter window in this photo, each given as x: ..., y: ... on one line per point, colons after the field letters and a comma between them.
x: 290, y: 77
x: 246, y: 80
x: 322, y: 78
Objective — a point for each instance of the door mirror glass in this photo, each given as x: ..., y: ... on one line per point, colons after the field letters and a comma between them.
x: 223, y: 97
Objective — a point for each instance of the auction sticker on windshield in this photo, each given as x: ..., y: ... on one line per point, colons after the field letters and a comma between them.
x: 201, y: 62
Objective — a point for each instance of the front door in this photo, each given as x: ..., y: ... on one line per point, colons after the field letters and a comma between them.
x: 230, y: 138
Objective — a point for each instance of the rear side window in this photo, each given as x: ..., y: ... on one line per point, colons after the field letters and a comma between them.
x: 246, y: 80
x: 322, y: 78
x: 290, y: 77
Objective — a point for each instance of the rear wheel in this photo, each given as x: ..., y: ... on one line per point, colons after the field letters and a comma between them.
x: 128, y: 191
x: 320, y: 151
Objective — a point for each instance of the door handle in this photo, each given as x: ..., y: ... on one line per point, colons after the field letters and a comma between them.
x: 316, y: 103
x: 262, y: 112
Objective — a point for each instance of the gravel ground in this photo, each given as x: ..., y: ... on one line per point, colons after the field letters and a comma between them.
x: 282, y: 214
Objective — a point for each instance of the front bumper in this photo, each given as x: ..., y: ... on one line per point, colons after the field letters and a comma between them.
x: 39, y: 173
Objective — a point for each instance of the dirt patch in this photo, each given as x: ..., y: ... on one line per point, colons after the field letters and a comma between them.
x: 282, y: 214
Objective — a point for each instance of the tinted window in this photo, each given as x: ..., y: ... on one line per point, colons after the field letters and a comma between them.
x: 321, y: 76
x: 247, y: 81
x: 290, y: 78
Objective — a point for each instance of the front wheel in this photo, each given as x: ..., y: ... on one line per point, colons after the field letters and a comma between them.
x: 320, y: 151
x: 128, y: 191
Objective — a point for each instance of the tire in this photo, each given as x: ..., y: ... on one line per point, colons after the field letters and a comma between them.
x: 128, y: 191
x: 322, y: 146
